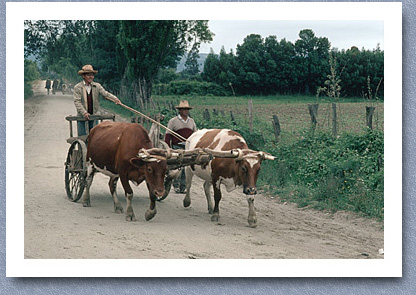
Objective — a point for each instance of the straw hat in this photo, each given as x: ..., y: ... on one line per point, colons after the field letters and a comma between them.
x: 87, y: 69
x: 183, y: 105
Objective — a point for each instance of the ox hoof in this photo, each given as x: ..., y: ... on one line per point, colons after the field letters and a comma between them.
x: 118, y: 210
x: 215, y: 217
x: 130, y: 218
x: 149, y: 214
x: 186, y: 203
x: 252, y: 222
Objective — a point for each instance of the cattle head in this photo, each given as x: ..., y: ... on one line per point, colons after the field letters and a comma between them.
x: 152, y: 165
x: 248, y: 168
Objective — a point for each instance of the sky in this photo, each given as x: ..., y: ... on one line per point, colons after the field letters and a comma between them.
x: 341, y: 34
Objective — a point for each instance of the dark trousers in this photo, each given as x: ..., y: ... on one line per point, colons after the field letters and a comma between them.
x: 81, y: 127
x: 180, y: 182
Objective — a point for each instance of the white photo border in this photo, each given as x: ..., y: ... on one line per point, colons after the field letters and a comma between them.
x: 389, y: 13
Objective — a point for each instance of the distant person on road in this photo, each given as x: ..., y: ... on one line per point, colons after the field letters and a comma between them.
x: 184, y: 126
x: 86, y: 95
x: 55, y: 85
x: 48, y: 85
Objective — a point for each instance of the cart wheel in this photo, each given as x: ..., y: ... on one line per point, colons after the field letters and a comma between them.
x: 76, y: 170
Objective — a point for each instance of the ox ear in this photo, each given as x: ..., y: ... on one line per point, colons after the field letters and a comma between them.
x: 137, y: 162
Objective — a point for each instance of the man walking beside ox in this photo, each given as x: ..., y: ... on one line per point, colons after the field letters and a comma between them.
x: 184, y: 126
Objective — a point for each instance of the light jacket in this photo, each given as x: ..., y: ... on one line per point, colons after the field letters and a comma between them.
x: 80, y: 97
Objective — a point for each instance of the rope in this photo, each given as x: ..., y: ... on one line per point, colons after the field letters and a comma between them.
x: 178, y: 136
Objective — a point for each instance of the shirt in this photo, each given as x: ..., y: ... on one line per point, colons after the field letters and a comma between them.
x: 87, y: 87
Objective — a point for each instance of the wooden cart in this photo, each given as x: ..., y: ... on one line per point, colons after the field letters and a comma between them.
x: 75, y: 164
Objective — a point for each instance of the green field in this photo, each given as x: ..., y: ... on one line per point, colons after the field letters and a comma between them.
x: 313, y: 170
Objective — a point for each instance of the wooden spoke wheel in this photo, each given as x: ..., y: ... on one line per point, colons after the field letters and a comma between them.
x: 76, y: 170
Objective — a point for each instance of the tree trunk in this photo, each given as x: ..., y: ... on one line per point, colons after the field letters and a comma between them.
x: 145, y: 90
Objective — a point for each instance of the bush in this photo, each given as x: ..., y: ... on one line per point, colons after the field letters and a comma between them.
x: 190, y: 87
x: 31, y: 74
x: 340, y: 174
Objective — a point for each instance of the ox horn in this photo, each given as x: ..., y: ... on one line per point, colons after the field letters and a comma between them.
x: 145, y: 156
x: 266, y: 156
x: 261, y: 155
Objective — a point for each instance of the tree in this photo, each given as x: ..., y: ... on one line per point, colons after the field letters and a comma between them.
x: 59, y: 45
x: 211, y: 67
x: 191, y: 63
x: 31, y: 74
x: 152, y: 45
x: 313, y: 55
x: 250, y: 57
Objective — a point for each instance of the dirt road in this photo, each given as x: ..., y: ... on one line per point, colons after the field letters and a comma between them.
x: 57, y: 228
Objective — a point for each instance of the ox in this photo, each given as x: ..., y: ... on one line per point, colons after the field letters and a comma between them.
x: 113, y: 149
x: 230, y: 172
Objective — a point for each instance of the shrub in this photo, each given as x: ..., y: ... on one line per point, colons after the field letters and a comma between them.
x: 31, y: 74
x: 191, y: 87
x: 341, y: 174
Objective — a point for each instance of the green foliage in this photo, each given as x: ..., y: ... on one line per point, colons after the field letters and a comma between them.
x: 127, y: 54
x: 191, y: 63
x: 356, y: 66
x: 265, y: 66
x: 190, y: 87
x: 31, y: 74
x: 66, y: 69
x: 151, y: 45
x: 340, y: 174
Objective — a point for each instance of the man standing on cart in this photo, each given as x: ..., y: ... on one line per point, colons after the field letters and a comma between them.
x: 86, y: 95
x: 184, y: 126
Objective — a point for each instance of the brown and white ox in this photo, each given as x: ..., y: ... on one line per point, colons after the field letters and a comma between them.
x: 231, y: 172
x: 113, y: 149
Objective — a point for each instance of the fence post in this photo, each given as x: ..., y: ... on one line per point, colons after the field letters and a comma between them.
x: 233, y: 118
x: 276, y: 127
x: 250, y: 115
x: 313, y: 112
x: 369, y: 112
x: 206, y: 115
x: 334, y: 120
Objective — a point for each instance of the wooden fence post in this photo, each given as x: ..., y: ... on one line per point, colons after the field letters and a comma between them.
x: 334, y: 120
x: 206, y: 115
x: 233, y: 118
x: 369, y: 112
x: 313, y: 112
x: 276, y: 127
x: 250, y: 115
